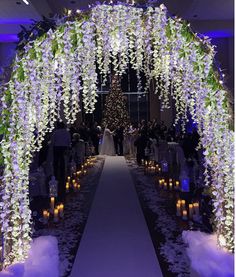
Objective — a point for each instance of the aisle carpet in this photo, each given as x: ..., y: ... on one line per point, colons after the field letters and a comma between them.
x: 116, y: 241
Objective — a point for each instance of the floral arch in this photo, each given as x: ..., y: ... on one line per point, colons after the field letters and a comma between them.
x: 57, y: 67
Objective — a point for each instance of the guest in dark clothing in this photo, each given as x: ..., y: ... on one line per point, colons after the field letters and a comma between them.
x: 188, y: 147
x: 143, y: 128
x: 61, y: 142
x: 84, y: 132
x: 95, y: 134
x: 163, y: 128
x: 141, y: 143
x: 118, y: 140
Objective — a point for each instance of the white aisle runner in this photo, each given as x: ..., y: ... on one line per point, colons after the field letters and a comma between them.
x: 116, y: 241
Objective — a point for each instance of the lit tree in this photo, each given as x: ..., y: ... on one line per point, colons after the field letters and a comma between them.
x: 115, y: 112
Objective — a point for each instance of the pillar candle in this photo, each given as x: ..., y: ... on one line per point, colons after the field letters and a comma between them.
x: 196, y: 208
x: 170, y: 185
x: 56, y: 218
x: 61, y: 210
x: 177, y: 184
x: 67, y: 187
x: 183, y: 204
x: 45, y: 216
x: 68, y: 178
x: 190, y: 210
x: 184, y: 215
x: 75, y: 187
x: 178, y: 209
x: 52, y: 203
x: 165, y: 185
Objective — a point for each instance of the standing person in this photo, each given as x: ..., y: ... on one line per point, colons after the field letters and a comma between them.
x: 78, y: 150
x: 118, y: 140
x: 61, y: 142
x: 107, y: 147
x: 141, y: 143
x: 95, y: 137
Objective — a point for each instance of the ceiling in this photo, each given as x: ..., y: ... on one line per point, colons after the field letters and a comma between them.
x: 204, y: 14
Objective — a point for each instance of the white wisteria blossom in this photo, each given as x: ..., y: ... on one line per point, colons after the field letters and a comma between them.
x: 53, y: 72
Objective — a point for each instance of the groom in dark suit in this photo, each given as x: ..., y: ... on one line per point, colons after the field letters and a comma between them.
x: 118, y: 140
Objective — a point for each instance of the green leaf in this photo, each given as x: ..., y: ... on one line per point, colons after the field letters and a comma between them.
x: 32, y: 54
x: 74, y: 38
x: 20, y: 73
x: 182, y: 53
x: 168, y: 30
x: 54, y: 47
x: 61, y: 29
x: 8, y: 97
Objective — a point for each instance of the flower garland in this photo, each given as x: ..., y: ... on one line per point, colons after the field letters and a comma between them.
x: 52, y: 71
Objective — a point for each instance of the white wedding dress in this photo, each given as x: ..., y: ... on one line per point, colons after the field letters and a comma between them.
x: 107, y: 147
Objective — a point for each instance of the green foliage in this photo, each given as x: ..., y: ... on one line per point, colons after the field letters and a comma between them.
x: 54, y: 47
x: 187, y: 33
x: 74, y: 39
x: 20, y: 73
x: 32, y: 54
x: 168, y: 30
x: 213, y: 81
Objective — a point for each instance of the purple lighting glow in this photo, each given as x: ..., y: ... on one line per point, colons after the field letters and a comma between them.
x: 219, y: 33
x: 15, y: 21
x: 9, y: 38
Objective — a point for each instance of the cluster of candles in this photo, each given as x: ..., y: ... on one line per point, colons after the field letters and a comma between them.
x: 74, y: 182
x: 191, y: 213
x: 57, y: 212
x: 90, y: 161
x: 151, y: 167
x: 169, y: 184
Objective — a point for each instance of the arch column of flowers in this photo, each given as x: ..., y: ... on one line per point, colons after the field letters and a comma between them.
x: 54, y: 69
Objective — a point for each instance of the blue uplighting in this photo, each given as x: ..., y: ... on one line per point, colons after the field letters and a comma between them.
x: 16, y: 21
x: 9, y: 38
x: 219, y: 34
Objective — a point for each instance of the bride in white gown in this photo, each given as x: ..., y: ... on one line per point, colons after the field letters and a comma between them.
x: 107, y: 147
